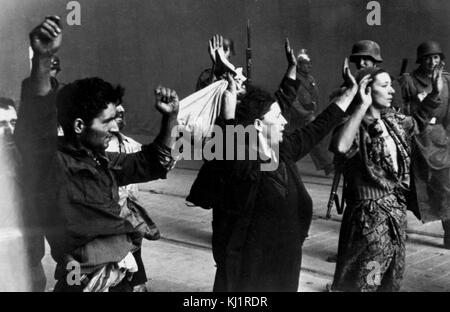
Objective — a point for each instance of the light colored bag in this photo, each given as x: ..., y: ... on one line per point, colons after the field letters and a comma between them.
x: 198, y: 112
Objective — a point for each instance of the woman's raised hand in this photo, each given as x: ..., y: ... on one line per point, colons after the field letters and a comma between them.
x: 349, y: 80
x: 365, y: 91
x: 229, y: 99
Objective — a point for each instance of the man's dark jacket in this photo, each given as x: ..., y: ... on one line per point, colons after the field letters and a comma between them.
x: 74, y: 191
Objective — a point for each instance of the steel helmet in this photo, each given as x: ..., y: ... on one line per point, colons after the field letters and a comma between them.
x: 427, y: 48
x: 366, y: 48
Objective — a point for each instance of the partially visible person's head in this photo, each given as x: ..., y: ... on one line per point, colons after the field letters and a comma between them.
x: 364, y: 62
x: 365, y: 53
x: 55, y: 66
x: 228, y: 48
x: 260, y: 109
x: 120, y: 117
x: 8, y: 119
x: 381, y: 85
x: 429, y: 55
x: 87, y: 111
x: 304, y: 63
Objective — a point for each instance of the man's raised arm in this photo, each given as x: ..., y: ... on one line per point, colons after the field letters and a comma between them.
x: 45, y: 41
x: 37, y: 124
x: 36, y: 130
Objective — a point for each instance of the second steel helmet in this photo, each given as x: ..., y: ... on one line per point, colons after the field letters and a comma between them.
x: 366, y: 48
x: 427, y: 48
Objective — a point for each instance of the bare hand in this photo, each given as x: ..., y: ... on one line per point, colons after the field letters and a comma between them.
x: 436, y: 79
x: 215, y: 43
x: 45, y: 39
x: 229, y: 98
x: 167, y: 102
x: 290, y: 55
x: 231, y: 88
x: 350, y: 84
x: 365, y: 92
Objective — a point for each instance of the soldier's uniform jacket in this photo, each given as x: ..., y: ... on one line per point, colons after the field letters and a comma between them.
x: 74, y: 191
x: 307, y: 98
x: 431, y: 149
x: 413, y: 88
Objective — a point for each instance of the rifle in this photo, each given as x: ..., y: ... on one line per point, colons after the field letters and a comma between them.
x: 334, y: 198
x: 248, y: 55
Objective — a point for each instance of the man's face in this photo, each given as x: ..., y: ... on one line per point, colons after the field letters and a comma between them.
x: 273, y: 124
x: 226, y: 49
x: 364, y: 62
x: 99, y: 133
x: 429, y: 62
x: 120, y: 117
x: 304, y: 66
x: 8, y: 119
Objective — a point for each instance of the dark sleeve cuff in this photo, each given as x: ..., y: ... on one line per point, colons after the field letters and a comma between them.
x: 290, y: 83
x: 221, y: 122
x: 230, y: 122
x: 164, y: 155
x: 335, y: 111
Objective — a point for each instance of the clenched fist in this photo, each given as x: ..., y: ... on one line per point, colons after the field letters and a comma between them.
x: 167, y: 102
x: 45, y: 39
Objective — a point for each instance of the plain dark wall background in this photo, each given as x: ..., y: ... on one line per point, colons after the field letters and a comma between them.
x: 143, y: 43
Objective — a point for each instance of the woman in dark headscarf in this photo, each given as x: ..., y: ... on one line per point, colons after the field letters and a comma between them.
x: 374, y: 144
x: 259, y: 230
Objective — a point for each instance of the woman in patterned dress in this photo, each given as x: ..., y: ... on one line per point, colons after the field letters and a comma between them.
x: 374, y: 146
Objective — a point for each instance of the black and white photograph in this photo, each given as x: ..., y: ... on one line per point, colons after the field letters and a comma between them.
x: 224, y: 150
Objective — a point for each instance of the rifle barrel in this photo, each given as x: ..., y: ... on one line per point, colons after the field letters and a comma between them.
x: 333, y: 193
x: 404, y: 66
x: 248, y: 55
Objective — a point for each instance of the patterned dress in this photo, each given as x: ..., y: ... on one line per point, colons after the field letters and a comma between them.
x: 371, y: 253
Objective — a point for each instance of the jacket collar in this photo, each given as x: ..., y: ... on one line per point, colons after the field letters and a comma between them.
x: 421, y: 77
x: 82, y: 154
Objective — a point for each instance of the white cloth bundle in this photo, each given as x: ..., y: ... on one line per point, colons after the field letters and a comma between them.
x: 198, y: 112
x: 111, y: 274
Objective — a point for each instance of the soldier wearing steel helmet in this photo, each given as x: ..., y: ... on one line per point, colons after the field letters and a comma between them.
x: 434, y: 145
x: 366, y: 53
x: 416, y: 84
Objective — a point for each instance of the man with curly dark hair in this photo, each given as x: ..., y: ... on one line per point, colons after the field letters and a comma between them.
x: 73, y: 182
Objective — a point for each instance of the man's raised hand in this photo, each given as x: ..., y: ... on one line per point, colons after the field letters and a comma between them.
x: 46, y: 38
x: 167, y: 102
x: 215, y: 43
x: 290, y: 55
x: 437, y: 81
